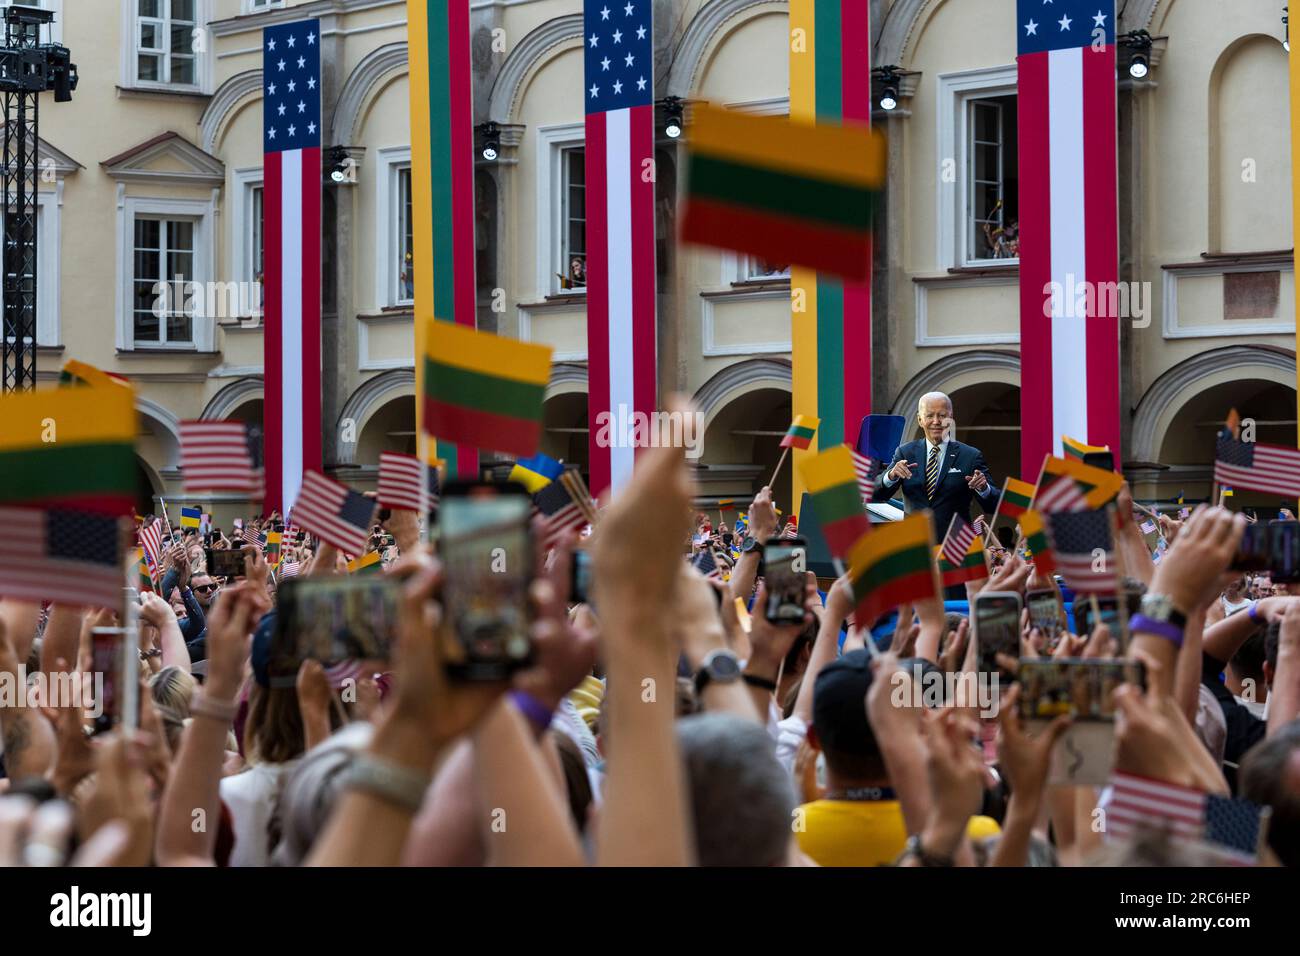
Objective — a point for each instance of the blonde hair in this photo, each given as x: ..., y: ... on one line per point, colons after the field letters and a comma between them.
x: 173, y: 687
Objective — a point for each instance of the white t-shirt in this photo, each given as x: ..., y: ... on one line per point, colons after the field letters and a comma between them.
x: 251, y: 798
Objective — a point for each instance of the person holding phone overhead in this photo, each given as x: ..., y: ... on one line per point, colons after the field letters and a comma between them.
x: 937, y: 471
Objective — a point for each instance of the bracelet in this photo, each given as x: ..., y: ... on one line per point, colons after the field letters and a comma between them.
x: 388, y: 781
x: 1253, y: 613
x: 203, y: 705
x: 532, y: 708
x: 753, y: 680
x: 1170, y: 632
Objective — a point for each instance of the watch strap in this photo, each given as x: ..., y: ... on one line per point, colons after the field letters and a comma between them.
x: 753, y: 680
x: 394, y: 784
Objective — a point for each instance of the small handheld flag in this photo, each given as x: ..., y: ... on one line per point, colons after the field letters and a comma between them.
x: 536, y: 473
x: 190, y: 517
x: 1076, y: 449
x: 832, y: 479
x: 400, y: 480
x: 1255, y: 466
x: 222, y: 456
x: 801, y: 431
x: 892, y: 565
x: 1083, y: 546
x: 957, y: 541
x: 72, y: 557
x: 333, y: 512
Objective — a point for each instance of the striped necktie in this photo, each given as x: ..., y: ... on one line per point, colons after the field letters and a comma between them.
x: 932, y: 472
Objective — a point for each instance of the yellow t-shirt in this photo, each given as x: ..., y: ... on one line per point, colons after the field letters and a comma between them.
x: 863, y: 832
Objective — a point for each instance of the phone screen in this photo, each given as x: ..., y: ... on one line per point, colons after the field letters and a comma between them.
x: 1083, y: 689
x: 225, y: 563
x: 1047, y: 614
x: 486, y: 552
x: 1109, y: 607
x: 333, y: 619
x: 580, y: 592
x: 997, y: 629
x: 785, y: 565
x: 106, y: 662
x: 1284, y: 550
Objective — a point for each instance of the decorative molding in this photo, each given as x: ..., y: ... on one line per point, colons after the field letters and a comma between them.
x: 231, y: 397
x: 202, y: 168
x: 55, y: 158
x: 257, y: 22
x: 896, y: 32
x: 1170, y: 277
x: 923, y: 284
x: 713, y: 350
x: 555, y: 306
x: 1187, y: 378
x: 170, y: 423
x: 223, y: 104
x: 368, y: 397
x: 934, y: 376
x: 364, y: 362
x: 702, y: 35
x: 537, y: 45
x: 566, y: 377
x: 738, y: 379
x: 364, y: 82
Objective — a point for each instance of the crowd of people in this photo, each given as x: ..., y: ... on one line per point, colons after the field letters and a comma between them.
x: 627, y: 740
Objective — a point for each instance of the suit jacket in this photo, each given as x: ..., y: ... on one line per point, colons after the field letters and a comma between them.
x: 952, y: 496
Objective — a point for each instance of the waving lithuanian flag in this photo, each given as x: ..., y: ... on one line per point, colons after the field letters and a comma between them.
x: 833, y: 484
x: 893, y: 564
x: 1031, y: 526
x: 69, y: 448
x: 481, y: 389
x: 972, y: 567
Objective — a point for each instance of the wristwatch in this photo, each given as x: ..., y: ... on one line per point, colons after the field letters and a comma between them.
x: 749, y: 544
x: 915, y: 849
x: 721, y: 666
x: 1160, y: 608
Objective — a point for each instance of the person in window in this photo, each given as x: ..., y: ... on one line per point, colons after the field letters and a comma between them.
x: 407, y: 276
x: 577, y: 273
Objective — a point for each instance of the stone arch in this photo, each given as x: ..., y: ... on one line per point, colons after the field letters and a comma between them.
x: 707, y: 30
x: 957, y: 371
x: 375, y: 71
x: 737, y: 379
x: 230, y: 397
x: 1175, y: 387
x: 223, y: 106
x: 167, y: 432
x: 369, y: 397
x: 541, y: 44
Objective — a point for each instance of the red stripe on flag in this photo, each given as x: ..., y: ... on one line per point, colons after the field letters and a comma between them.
x: 644, y: 345
x: 518, y: 436
x: 841, y: 251
x: 597, y: 298
x: 1101, y: 242
x: 1035, y: 264
x: 311, y: 321
x: 272, y: 405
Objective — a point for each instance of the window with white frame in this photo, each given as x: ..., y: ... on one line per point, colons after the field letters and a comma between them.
x: 402, y: 268
x: 571, y: 274
x: 992, y: 215
x: 246, y: 242
x: 168, y: 43
x: 163, y: 297
x: 758, y: 269
x: 257, y: 6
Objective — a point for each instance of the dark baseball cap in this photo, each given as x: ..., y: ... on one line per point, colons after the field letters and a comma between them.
x: 839, y: 706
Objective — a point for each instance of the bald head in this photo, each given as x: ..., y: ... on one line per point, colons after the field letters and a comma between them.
x: 934, y: 413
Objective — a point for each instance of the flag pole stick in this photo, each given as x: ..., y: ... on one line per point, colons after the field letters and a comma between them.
x: 785, y: 451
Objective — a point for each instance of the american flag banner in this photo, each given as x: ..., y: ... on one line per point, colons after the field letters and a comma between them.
x: 1069, y: 226
x: 222, y: 456
x: 560, y: 516
x: 403, y: 482
x: 334, y: 512
x: 1244, y: 464
x: 1060, y: 495
x: 1084, y: 550
x: 291, y: 169
x: 1232, y: 826
x: 618, y: 37
x: 958, y: 540
x: 70, y: 557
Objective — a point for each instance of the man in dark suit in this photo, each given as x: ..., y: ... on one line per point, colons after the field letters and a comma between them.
x: 936, y: 472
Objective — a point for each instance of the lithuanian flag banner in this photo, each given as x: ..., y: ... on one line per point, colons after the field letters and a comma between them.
x: 70, y: 448
x: 972, y: 567
x: 368, y: 563
x: 1077, y: 449
x: 1099, y: 486
x: 893, y: 564
x: 800, y: 433
x: 482, y: 389
x: 1016, y: 498
x: 833, y: 484
x: 441, y: 267
x: 1035, y: 535
x: 830, y: 319
x: 783, y: 190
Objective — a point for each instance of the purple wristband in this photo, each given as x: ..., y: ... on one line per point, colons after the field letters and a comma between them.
x: 1170, y: 632
x: 533, y: 709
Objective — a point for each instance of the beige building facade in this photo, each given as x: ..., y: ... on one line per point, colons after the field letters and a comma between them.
x: 154, y: 171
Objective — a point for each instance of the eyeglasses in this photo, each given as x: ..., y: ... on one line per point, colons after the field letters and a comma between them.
x: 206, y: 587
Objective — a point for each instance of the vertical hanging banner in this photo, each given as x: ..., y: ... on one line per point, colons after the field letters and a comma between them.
x: 618, y: 38
x: 442, y: 192
x: 1294, y: 62
x: 830, y: 82
x: 1069, y: 227
x: 291, y: 170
